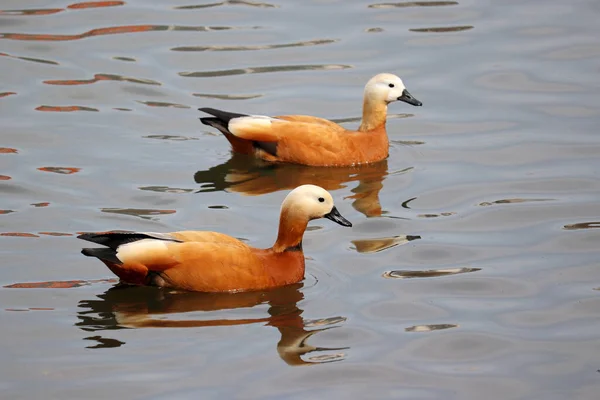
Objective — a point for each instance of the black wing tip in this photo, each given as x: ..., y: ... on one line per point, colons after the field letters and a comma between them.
x: 208, y: 110
x: 223, y: 116
x: 102, y: 253
x: 88, y: 252
x: 86, y: 236
x: 210, y: 121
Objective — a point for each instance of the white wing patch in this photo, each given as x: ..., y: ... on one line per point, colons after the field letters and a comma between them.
x: 137, y: 251
x: 251, y: 123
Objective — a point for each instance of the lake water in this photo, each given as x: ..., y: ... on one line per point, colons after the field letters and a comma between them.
x: 472, y: 270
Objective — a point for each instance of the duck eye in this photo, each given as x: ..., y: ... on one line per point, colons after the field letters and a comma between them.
x: 391, y: 85
x: 321, y: 200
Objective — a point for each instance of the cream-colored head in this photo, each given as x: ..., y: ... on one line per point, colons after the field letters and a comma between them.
x: 388, y: 88
x: 312, y: 202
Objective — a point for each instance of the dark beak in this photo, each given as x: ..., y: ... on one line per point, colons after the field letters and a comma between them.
x: 408, y: 98
x: 335, y: 216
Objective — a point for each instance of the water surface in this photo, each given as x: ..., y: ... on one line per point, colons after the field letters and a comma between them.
x: 472, y: 267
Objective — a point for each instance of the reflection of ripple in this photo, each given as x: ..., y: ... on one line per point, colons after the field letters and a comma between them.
x: 6, y: 211
x: 429, y: 328
x: 443, y: 29
x: 261, y: 70
x: 60, y: 170
x: 102, y: 77
x: 228, y: 2
x: 162, y: 104
x: 5, y: 94
x: 169, y: 137
x: 433, y: 215
x: 37, y: 60
x: 408, y: 142
x: 137, y: 212
x: 511, y: 201
x: 5, y: 178
x: 380, y: 244
x: 95, y: 4
x: 7, y: 150
x: 65, y: 108
x: 46, y: 11
x: 114, y: 30
x: 58, y: 284
x: 414, y: 4
x: 258, y: 47
x: 19, y: 234
x: 582, y: 225
x: 227, y: 96
x: 128, y: 59
x: 432, y: 273
x: 165, y: 189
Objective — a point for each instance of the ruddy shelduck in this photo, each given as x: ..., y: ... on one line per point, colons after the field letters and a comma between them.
x: 214, y: 262
x: 303, y: 139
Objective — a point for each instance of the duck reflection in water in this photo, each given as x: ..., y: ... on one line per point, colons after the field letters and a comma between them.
x: 249, y: 176
x: 148, y: 307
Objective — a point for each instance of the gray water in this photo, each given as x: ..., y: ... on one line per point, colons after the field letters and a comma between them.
x: 472, y: 268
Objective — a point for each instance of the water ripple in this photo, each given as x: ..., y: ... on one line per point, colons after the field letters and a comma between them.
x: 429, y: 328
x: 38, y: 60
x: 414, y: 4
x: 138, y: 212
x: 261, y: 70
x: 511, y: 201
x: 432, y: 273
x: 58, y: 284
x: 95, y: 4
x: 169, y: 137
x: 162, y: 104
x: 114, y: 30
x: 443, y: 29
x: 19, y: 234
x: 102, y: 77
x: 228, y: 2
x: 380, y: 244
x: 31, y: 12
x: 60, y: 170
x: 582, y: 225
x: 257, y: 47
x: 166, y: 189
x: 228, y: 96
x: 65, y: 108
x: 6, y: 94
x: 49, y: 11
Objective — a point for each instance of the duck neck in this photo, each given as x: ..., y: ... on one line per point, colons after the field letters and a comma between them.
x: 374, y: 114
x: 291, y: 231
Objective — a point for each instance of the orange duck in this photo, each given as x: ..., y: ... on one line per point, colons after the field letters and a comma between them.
x: 303, y: 139
x: 214, y: 262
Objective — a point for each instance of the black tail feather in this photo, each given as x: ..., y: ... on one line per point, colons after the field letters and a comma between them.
x: 114, y: 239
x: 214, y: 122
x: 222, y: 116
x: 102, y: 253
